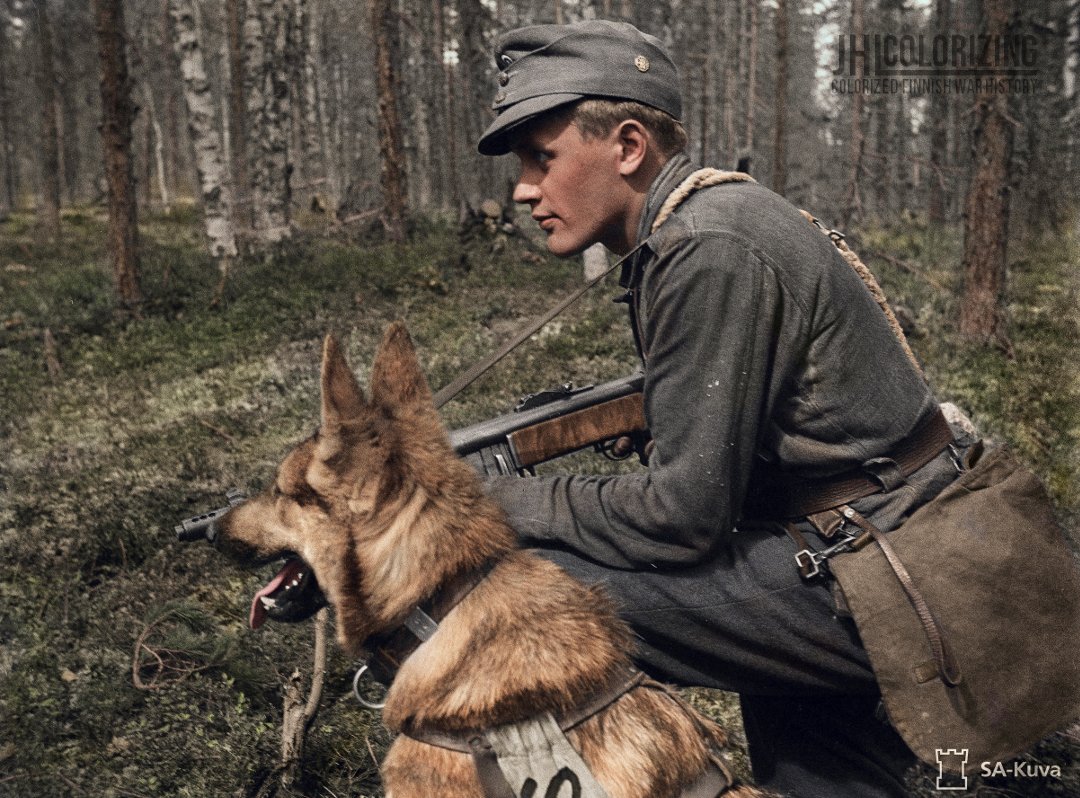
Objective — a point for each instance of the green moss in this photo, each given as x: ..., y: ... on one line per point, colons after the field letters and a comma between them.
x: 151, y: 419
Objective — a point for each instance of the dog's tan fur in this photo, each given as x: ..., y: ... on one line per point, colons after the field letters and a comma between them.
x: 384, y: 512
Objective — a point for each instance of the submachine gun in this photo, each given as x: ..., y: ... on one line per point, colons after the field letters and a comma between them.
x: 609, y: 418
x: 543, y: 426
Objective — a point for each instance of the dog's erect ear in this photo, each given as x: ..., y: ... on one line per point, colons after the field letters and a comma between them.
x: 342, y: 399
x: 396, y: 378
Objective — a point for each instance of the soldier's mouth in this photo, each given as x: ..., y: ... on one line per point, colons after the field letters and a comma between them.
x: 292, y: 595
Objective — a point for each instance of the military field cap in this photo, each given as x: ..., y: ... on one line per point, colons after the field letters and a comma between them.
x: 545, y: 66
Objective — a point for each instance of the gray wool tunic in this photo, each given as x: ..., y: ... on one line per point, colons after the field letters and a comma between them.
x: 760, y: 342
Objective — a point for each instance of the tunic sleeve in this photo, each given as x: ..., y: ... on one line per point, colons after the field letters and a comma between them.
x: 713, y: 316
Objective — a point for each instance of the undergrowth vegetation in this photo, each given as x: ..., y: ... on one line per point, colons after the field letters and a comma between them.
x: 126, y: 668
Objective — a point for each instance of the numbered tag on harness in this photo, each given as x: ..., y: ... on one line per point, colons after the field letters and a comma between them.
x: 539, y: 762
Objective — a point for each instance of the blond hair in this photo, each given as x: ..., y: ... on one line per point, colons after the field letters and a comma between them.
x: 595, y: 117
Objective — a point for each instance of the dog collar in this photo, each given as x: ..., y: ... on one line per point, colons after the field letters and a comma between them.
x: 390, y: 649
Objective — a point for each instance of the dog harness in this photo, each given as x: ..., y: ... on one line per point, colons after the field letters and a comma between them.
x: 532, y: 758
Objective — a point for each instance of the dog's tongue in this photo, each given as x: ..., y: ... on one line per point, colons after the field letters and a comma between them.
x: 291, y: 569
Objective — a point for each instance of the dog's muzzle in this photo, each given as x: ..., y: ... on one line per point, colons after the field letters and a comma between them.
x: 292, y: 595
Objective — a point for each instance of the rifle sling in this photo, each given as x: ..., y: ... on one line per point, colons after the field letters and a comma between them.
x: 470, y: 375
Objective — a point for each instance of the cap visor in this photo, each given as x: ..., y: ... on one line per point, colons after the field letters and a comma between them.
x: 497, y: 139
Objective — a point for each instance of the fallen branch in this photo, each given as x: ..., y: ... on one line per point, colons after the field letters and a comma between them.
x: 218, y: 431
x: 900, y: 264
x: 297, y: 714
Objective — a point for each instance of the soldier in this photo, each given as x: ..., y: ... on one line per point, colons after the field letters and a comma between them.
x: 772, y: 379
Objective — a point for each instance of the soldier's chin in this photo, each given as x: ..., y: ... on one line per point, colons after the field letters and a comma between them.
x: 293, y: 595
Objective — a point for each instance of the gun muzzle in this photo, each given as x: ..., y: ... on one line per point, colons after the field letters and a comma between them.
x: 201, y: 527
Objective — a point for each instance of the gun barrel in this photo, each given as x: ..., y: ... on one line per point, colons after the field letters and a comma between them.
x: 196, y: 527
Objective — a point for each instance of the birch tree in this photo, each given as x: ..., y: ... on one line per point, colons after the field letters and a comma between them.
x: 269, y: 116
x: 209, y: 158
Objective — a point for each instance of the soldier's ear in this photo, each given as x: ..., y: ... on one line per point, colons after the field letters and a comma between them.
x: 342, y: 398
x: 396, y: 378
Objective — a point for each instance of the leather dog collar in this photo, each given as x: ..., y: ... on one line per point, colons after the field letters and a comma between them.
x: 390, y: 649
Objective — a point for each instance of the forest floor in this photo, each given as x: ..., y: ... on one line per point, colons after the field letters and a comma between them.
x: 126, y: 668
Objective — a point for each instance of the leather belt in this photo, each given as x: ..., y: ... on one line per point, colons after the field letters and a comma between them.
x: 779, y: 495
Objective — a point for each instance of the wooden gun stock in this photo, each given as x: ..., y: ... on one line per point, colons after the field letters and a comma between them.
x: 592, y: 416
x: 565, y: 434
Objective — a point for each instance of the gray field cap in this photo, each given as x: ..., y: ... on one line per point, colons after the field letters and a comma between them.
x: 545, y: 66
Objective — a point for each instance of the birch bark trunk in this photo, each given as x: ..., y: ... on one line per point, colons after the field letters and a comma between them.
x: 209, y: 159
x: 269, y: 116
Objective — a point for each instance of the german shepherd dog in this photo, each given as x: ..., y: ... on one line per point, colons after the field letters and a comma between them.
x: 373, y: 514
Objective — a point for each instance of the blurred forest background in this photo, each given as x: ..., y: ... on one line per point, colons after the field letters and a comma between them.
x: 192, y: 192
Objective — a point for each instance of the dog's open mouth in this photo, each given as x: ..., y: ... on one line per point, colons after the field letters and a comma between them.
x: 293, y: 595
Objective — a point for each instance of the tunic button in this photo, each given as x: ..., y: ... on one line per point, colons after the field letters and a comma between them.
x: 503, y: 78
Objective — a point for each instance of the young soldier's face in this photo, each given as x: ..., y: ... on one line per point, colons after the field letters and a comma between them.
x: 573, y: 186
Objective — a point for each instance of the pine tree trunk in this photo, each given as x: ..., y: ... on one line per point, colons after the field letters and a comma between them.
x: 452, y: 183
x: 7, y: 142
x: 986, y: 209
x: 209, y: 158
x: 939, y: 130
x: 751, y: 78
x: 779, y: 176
x: 49, y: 213
x: 391, y: 146
x: 732, y: 71
x: 856, y: 145
x: 118, y: 114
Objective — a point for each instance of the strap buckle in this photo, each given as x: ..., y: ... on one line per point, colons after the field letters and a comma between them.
x: 815, y: 563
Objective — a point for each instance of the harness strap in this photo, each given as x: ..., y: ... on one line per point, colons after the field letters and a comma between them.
x: 464, y: 741
x: 715, y: 780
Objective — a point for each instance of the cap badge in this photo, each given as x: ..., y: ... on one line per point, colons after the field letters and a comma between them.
x: 642, y: 63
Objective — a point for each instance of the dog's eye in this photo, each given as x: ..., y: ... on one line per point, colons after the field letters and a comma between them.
x: 305, y: 495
